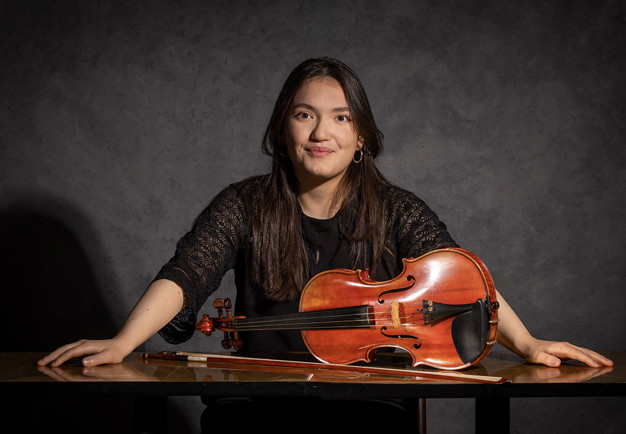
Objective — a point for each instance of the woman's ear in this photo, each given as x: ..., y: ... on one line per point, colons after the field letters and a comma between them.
x: 359, y: 143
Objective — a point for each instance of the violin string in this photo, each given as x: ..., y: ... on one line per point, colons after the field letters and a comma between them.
x: 323, y: 314
x: 295, y: 321
x: 316, y: 326
x: 324, y: 317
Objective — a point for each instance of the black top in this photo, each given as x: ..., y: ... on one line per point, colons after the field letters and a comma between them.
x: 221, y: 240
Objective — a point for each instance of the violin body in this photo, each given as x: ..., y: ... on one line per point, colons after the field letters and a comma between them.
x: 441, y: 309
x: 400, y: 307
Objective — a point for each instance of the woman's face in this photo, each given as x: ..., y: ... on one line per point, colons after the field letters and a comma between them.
x: 320, y: 134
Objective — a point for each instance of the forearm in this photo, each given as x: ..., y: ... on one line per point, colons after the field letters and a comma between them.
x: 160, y: 303
x: 512, y: 333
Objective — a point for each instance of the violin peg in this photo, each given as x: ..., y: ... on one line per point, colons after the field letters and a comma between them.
x: 219, y: 305
x: 228, y: 305
x: 237, y: 341
x: 206, y: 325
x: 227, y: 343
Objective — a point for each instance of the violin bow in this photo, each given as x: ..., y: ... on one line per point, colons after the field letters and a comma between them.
x: 257, y: 361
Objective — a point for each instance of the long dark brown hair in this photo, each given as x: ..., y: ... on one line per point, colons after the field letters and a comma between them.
x: 279, y: 251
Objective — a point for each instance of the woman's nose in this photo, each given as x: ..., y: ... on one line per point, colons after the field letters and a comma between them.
x: 321, y: 132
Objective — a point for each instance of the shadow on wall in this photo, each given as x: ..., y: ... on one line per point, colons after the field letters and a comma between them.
x: 51, y: 296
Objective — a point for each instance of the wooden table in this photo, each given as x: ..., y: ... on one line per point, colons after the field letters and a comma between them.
x: 150, y: 382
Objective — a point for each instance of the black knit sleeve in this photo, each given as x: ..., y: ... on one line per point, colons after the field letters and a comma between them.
x: 202, y: 257
x: 417, y: 229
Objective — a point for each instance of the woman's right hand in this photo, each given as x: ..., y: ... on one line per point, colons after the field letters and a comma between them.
x: 93, y: 352
x: 160, y: 303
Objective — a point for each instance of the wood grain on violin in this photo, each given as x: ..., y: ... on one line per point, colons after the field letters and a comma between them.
x: 441, y: 309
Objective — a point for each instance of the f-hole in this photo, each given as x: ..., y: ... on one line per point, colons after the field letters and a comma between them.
x: 409, y: 278
x: 416, y: 346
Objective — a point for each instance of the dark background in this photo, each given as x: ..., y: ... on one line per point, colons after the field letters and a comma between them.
x: 119, y: 121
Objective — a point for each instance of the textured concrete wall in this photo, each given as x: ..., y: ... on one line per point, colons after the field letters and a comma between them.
x: 120, y: 120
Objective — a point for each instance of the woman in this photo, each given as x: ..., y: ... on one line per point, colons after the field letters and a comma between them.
x: 324, y: 205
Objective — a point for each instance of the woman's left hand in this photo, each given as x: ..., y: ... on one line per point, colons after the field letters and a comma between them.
x: 513, y: 335
x: 551, y: 353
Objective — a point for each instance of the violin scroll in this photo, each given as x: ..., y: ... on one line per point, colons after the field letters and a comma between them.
x: 226, y: 323
x: 206, y: 325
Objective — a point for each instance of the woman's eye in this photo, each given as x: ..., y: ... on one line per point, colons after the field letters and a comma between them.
x: 343, y: 118
x: 302, y: 115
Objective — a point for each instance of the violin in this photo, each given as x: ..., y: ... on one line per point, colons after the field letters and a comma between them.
x: 441, y: 309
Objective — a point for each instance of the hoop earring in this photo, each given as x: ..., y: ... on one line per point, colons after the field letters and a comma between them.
x: 360, y: 157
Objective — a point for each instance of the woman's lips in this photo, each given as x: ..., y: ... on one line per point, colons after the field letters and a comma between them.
x: 319, y: 151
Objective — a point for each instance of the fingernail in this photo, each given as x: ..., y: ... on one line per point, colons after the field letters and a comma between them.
x: 87, y: 361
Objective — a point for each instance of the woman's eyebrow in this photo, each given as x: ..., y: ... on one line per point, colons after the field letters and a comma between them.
x: 310, y: 107
x: 304, y: 106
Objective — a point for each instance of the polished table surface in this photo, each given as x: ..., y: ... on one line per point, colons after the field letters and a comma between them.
x: 150, y: 382
x: 19, y: 374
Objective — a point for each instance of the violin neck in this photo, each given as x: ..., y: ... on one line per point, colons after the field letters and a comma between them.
x: 339, y: 318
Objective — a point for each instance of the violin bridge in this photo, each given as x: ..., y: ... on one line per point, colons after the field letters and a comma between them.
x: 395, y: 314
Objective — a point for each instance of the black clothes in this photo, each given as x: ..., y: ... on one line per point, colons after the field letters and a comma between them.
x: 221, y: 240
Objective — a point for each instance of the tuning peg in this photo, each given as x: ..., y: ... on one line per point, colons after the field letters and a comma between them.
x: 227, y: 342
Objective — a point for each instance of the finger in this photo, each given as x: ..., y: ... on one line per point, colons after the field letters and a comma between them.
x: 83, y: 349
x: 566, y: 350
x: 58, y: 352
x: 544, y: 358
x: 101, y: 358
x: 606, y: 361
x: 599, y: 358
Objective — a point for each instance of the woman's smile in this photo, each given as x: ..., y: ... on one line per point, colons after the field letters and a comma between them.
x: 318, y: 151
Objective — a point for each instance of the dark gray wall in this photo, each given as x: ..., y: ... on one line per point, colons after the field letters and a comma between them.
x: 120, y: 120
